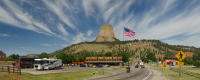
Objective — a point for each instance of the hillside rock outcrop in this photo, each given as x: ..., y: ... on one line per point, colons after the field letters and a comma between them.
x: 106, y: 34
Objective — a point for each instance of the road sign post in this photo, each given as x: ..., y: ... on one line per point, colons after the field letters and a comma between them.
x: 179, y: 71
x: 164, y: 64
x: 180, y: 56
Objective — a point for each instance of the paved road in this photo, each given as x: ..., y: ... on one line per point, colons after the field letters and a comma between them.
x: 136, y: 74
x: 142, y: 74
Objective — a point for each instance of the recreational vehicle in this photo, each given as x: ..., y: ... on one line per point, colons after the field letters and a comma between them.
x: 47, y: 64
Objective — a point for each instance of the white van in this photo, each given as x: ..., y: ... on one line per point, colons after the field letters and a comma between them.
x: 47, y: 64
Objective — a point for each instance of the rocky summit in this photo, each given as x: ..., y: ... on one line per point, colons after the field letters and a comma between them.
x: 106, y: 34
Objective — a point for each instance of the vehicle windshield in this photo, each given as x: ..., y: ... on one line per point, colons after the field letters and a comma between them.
x: 37, y: 62
x: 41, y: 62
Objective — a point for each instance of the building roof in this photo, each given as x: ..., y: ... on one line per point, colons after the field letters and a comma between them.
x: 189, y: 54
x: 159, y: 56
x: 2, y: 53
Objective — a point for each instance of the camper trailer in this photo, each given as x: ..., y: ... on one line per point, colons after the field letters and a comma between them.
x: 47, y: 64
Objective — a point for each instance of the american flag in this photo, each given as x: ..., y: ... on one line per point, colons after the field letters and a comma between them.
x: 129, y: 32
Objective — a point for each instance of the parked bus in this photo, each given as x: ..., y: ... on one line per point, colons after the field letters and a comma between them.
x: 47, y: 64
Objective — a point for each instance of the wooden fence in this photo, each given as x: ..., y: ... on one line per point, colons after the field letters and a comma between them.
x: 10, y: 69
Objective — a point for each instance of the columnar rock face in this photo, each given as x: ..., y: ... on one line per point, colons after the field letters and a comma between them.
x: 106, y: 34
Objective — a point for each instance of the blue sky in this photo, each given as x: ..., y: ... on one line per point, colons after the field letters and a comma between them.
x: 35, y: 26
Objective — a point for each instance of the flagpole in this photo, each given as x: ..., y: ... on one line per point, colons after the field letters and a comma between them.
x: 123, y: 34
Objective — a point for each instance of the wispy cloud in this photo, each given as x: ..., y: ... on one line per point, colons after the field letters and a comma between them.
x: 62, y: 29
x: 159, y: 20
x: 159, y: 25
x: 57, y: 8
x: 189, y: 41
x: 89, y: 32
x: 46, y: 45
x: 4, y: 35
x: 181, y: 23
x: 81, y: 37
x: 26, y: 20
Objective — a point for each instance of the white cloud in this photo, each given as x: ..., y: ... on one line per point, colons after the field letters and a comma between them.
x: 189, y: 41
x: 91, y: 6
x: 185, y: 22
x: 115, y: 15
x: 4, y: 35
x: 89, y: 32
x: 27, y: 49
x: 161, y: 21
x: 62, y: 29
x: 57, y: 8
x: 6, y: 17
x: 54, y: 45
x: 27, y: 21
x: 46, y: 45
x: 88, y: 7
x: 64, y: 45
x: 80, y: 37
x: 155, y: 13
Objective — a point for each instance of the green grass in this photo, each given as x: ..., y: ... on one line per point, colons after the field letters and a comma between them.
x: 119, y: 68
x: 1, y: 64
x: 173, y: 75
x: 191, y: 69
x: 4, y: 76
x: 80, y: 75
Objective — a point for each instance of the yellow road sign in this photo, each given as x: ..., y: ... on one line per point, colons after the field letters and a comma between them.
x: 164, y: 64
x: 180, y: 55
x: 180, y: 63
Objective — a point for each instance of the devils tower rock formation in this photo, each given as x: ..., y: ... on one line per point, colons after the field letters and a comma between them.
x: 106, y: 34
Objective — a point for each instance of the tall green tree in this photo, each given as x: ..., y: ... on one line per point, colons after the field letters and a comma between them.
x: 196, y: 59
x: 149, y: 57
x: 108, y: 54
x: 188, y: 61
x: 63, y: 57
x: 13, y: 57
x: 43, y: 55
x: 125, y: 56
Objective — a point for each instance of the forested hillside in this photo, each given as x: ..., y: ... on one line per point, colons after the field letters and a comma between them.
x: 140, y: 49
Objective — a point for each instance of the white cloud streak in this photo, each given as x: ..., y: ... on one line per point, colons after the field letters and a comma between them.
x: 89, y: 32
x: 4, y: 35
x: 62, y: 29
x: 58, y: 10
x: 27, y: 22
x: 81, y: 37
x: 155, y: 22
x: 183, y: 23
x: 46, y: 45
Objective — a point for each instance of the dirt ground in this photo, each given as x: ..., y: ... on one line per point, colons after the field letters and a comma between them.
x: 71, y: 69
x: 63, y: 69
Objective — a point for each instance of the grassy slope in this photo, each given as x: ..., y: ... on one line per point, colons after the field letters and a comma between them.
x: 136, y: 46
x: 172, y: 75
x: 80, y: 75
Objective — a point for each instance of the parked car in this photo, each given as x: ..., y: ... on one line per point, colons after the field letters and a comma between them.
x: 106, y: 65
x: 142, y: 66
x: 82, y: 65
x: 136, y: 66
x: 99, y: 65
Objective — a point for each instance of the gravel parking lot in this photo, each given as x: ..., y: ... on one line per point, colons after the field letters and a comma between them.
x: 63, y: 69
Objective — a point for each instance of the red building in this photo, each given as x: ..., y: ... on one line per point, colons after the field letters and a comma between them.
x: 2, y: 56
x: 189, y: 54
x: 161, y: 56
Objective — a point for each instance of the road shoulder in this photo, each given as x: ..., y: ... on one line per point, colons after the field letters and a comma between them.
x: 158, y: 76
